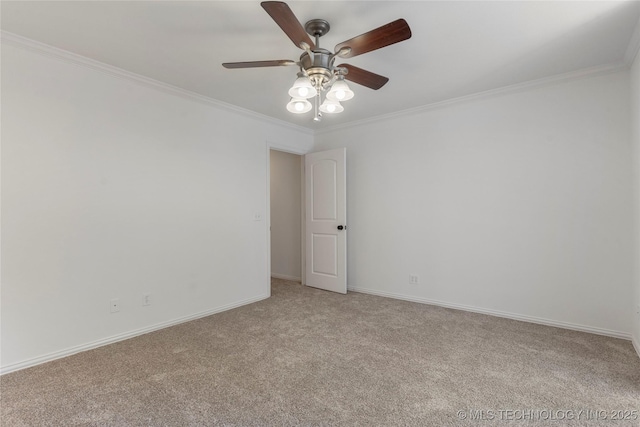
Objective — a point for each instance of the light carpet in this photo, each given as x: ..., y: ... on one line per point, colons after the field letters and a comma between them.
x: 313, y: 358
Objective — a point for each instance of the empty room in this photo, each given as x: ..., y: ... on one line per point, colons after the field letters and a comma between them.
x: 318, y: 213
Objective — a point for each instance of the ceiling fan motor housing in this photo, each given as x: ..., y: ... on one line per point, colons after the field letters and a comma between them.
x: 318, y: 66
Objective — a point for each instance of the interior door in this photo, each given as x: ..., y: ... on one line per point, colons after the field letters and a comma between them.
x: 325, y: 219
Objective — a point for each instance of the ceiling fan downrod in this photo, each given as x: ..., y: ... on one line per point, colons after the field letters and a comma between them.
x: 317, y: 28
x: 317, y: 63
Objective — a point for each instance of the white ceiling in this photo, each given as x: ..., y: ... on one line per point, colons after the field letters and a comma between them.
x: 458, y: 48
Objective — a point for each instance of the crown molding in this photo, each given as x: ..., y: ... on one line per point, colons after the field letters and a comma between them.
x: 73, y: 58
x: 518, y: 87
x: 61, y: 54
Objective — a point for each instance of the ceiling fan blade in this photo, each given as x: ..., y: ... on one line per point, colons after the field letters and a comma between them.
x: 364, y: 77
x: 284, y: 17
x: 256, y: 64
x: 386, y: 35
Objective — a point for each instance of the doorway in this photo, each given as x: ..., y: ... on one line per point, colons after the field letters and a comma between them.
x: 286, y: 193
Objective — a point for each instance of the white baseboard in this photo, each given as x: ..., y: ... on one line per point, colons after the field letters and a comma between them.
x: 636, y: 345
x: 497, y: 313
x: 286, y: 277
x: 121, y: 337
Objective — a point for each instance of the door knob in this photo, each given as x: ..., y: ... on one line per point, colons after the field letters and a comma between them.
x: 342, y: 227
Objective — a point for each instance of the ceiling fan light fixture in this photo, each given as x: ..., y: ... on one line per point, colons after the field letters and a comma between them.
x: 302, y: 88
x: 318, y: 77
x: 340, y: 91
x: 331, y: 107
x: 298, y: 106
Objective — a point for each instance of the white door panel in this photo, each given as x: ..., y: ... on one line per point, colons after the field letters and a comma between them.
x: 326, y: 214
x: 324, y: 254
x: 324, y: 198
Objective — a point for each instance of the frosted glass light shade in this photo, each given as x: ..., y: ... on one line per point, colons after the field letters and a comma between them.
x: 331, y: 107
x: 340, y: 91
x: 302, y: 88
x: 298, y: 105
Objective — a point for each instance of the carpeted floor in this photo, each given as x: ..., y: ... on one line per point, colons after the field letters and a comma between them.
x: 312, y: 358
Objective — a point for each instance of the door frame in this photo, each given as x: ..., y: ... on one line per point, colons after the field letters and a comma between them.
x: 300, y: 152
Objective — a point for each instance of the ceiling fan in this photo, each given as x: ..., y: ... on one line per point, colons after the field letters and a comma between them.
x: 318, y: 72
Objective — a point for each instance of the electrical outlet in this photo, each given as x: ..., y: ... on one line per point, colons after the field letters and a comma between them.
x: 413, y: 279
x: 146, y: 299
x: 114, y: 305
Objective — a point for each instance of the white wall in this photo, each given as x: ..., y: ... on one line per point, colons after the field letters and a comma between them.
x: 635, y: 141
x: 286, y: 216
x: 112, y: 189
x: 516, y: 204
